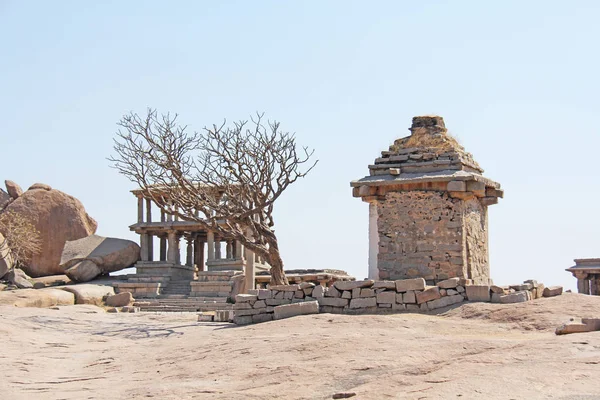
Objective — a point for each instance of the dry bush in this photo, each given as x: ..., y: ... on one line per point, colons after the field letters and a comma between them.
x: 20, y: 236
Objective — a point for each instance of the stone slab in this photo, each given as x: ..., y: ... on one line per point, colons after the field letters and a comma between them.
x: 449, y: 283
x: 363, y: 302
x: 478, y: 293
x: 292, y: 310
x: 349, y: 285
x: 386, y: 298
x: 405, y: 285
x: 384, y: 285
x: 552, y: 291
x: 333, y: 301
x: 518, y: 297
x: 430, y: 293
x: 445, y: 301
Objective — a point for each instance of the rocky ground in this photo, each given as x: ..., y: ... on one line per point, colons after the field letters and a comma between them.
x: 473, y: 351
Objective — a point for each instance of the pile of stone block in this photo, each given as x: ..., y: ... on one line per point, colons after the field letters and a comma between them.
x: 369, y: 296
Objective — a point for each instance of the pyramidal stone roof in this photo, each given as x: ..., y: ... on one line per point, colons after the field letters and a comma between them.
x: 429, y: 154
x: 429, y: 148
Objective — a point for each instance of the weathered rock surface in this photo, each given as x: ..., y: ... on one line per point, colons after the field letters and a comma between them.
x: 18, y: 278
x: 292, y: 310
x: 41, y: 186
x: 89, y: 294
x: 5, y: 198
x: 86, y: 258
x: 13, y: 189
x: 58, y: 217
x: 6, y: 262
x: 36, y: 298
x: 119, y: 300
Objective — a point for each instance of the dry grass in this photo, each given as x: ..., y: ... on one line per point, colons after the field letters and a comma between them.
x: 438, y: 143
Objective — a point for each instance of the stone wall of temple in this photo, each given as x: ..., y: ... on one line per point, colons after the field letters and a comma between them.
x: 476, y: 237
x: 431, y: 235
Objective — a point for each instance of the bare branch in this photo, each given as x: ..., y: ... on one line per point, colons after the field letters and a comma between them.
x: 231, y: 176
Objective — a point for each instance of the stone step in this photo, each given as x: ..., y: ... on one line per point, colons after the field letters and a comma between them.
x: 185, y: 308
x: 164, y: 299
x: 216, y: 276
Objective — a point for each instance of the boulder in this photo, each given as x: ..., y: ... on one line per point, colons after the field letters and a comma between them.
x: 36, y: 298
x: 58, y: 218
x: 6, y: 262
x: 13, y: 189
x: 42, y: 186
x: 89, y: 294
x: 5, y: 198
x: 19, y: 278
x: 119, y: 300
x: 86, y: 258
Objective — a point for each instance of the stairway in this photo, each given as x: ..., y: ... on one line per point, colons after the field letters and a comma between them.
x: 176, y: 288
x: 209, y: 293
x: 190, y: 304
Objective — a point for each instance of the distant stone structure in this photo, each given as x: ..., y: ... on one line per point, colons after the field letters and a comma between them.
x: 587, y: 272
x: 428, y: 204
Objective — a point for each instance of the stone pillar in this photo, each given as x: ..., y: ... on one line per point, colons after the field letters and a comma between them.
x: 140, y: 209
x: 144, y: 247
x: 163, y: 216
x: 199, y: 253
x: 217, y: 249
x: 210, y: 244
x: 189, y: 261
x: 148, y: 210
x: 178, y: 252
x: 173, y: 248
x: 239, y: 250
x: 163, y: 248
x: 176, y: 216
x: 229, y: 250
x: 150, y: 246
x: 594, y: 285
x: 373, y: 241
x: 249, y: 270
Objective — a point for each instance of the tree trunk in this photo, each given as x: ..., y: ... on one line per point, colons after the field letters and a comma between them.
x: 277, y: 275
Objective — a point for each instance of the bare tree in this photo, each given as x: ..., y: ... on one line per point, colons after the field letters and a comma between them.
x: 224, y: 178
x: 21, y: 239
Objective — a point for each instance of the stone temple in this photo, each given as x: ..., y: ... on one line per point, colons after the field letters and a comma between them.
x: 428, y: 208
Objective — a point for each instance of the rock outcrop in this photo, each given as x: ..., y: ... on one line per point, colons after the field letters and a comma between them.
x: 36, y: 298
x: 58, y: 218
x: 6, y: 262
x: 90, y: 294
x: 13, y: 189
x: 89, y: 257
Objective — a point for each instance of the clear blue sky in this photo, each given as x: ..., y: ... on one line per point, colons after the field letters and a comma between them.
x: 516, y: 81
